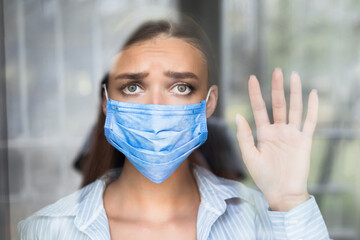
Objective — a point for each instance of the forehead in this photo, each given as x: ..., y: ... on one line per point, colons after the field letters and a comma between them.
x: 161, y: 53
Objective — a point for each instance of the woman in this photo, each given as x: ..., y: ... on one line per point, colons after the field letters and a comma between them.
x: 156, y: 102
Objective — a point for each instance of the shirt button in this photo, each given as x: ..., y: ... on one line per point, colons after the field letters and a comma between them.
x: 293, y: 222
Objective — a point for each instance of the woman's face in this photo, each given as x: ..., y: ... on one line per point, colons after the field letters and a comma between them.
x: 162, y: 70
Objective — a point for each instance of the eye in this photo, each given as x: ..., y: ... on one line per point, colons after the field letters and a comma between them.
x: 182, y: 89
x: 132, y: 89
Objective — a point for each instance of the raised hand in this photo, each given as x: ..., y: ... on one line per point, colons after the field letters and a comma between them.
x: 280, y: 162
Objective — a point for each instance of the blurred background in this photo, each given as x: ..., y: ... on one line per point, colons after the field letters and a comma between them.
x: 54, y: 53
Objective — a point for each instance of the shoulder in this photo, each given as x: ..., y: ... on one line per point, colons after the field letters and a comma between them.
x: 43, y: 227
x: 55, y: 217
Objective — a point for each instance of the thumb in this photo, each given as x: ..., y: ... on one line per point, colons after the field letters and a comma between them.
x: 246, y: 140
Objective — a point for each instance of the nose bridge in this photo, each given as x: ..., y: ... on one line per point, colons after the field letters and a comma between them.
x: 157, y: 95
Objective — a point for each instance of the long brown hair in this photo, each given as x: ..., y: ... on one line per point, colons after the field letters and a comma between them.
x: 102, y: 156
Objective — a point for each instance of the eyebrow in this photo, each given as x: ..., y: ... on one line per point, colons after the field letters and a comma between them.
x: 132, y: 76
x: 142, y: 75
x: 181, y: 75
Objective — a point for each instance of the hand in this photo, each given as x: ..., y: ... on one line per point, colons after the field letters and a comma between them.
x: 280, y: 162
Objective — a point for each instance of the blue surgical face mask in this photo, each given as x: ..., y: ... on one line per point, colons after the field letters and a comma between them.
x: 155, y: 138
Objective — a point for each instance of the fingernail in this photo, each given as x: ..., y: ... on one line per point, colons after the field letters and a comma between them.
x: 237, y: 119
x: 278, y: 68
x: 314, y: 90
x: 294, y: 72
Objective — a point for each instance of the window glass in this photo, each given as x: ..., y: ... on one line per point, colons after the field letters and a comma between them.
x: 320, y: 40
x: 56, y: 54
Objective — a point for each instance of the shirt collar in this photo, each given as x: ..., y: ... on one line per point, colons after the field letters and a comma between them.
x: 91, y: 204
x: 87, y: 203
x: 214, y: 191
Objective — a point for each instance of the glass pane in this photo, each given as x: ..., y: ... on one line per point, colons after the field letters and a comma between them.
x: 56, y: 54
x: 320, y: 41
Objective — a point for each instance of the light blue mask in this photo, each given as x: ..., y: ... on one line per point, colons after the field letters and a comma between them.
x: 155, y: 138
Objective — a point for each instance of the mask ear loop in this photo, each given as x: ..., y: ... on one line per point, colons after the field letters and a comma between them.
x: 208, y: 94
x: 106, y: 94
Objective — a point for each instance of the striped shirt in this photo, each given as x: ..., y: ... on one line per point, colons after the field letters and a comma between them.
x: 228, y: 210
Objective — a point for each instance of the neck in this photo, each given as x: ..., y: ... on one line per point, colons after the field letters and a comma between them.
x: 138, y: 196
